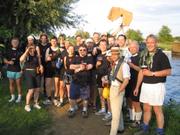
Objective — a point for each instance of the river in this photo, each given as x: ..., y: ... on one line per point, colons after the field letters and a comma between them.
x: 173, y: 81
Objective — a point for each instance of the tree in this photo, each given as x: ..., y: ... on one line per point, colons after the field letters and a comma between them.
x: 134, y: 35
x: 177, y: 38
x: 24, y: 17
x: 83, y: 33
x: 164, y: 34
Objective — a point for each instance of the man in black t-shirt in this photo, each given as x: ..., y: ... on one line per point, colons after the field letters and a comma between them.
x: 79, y: 87
x: 153, y: 77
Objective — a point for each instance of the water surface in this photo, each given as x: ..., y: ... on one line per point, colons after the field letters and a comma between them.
x: 173, y: 81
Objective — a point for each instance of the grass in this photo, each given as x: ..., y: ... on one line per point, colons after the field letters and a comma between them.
x: 165, y: 46
x: 14, y: 120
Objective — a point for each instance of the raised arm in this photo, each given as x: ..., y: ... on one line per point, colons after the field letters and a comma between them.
x: 24, y: 56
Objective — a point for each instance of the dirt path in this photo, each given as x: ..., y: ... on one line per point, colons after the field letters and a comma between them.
x: 62, y: 125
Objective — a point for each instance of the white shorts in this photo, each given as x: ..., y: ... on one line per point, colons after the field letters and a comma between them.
x: 153, y: 94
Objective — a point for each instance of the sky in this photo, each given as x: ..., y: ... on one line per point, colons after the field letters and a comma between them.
x: 148, y: 15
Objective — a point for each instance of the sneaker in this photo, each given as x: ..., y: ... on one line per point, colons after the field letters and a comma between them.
x: 94, y: 108
x: 55, y: 102
x: 27, y: 108
x: 120, y: 131
x: 11, y: 100
x: 18, y: 100
x: 107, y: 117
x: 37, y: 106
x: 71, y: 113
x: 47, y: 102
x: 101, y: 112
x: 135, y: 124
x: 160, y: 131
x: 76, y: 107
x: 60, y: 104
x: 84, y: 114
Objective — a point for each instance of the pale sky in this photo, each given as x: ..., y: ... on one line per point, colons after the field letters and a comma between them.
x: 148, y: 15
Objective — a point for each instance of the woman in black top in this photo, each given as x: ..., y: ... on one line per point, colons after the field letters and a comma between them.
x: 68, y: 72
x: 32, y: 75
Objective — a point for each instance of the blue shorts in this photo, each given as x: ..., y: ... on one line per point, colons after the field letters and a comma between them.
x: 78, y: 91
x: 14, y: 75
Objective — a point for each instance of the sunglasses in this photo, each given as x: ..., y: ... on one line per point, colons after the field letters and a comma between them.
x: 82, y: 50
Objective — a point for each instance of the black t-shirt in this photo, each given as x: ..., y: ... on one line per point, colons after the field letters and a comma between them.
x: 31, y: 62
x: 135, y: 61
x: 14, y: 55
x: 104, y: 68
x: 64, y: 53
x: 160, y: 62
x: 55, y: 55
x: 134, y: 74
x: 76, y: 50
x: 90, y: 53
x: 83, y: 77
x: 68, y: 63
x: 43, y: 49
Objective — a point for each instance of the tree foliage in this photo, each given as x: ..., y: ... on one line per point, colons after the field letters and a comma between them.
x: 134, y: 35
x: 177, y: 38
x: 164, y: 34
x: 34, y: 16
x: 83, y: 33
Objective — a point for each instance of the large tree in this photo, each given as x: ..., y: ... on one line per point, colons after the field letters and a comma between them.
x: 164, y: 34
x: 23, y: 17
x: 134, y: 35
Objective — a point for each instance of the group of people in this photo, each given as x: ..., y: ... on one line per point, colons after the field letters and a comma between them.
x: 84, y: 70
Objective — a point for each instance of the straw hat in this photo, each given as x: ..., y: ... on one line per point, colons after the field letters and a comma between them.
x: 115, y: 50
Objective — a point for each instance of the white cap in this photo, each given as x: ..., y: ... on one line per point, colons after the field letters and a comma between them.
x: 30, y: 37
x: 89, y: 40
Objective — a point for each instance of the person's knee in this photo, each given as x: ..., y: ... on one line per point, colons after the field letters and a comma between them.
x: 147, y: 108
x: 157, y: 110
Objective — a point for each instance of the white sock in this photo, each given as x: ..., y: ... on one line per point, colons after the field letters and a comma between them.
x: 12, y: 96
x: 138, y: 116
x: 131, y: 114
x: 61, y: 100
x: 103, y: 109
x: 19, y: 97
x: 84, y: 108
x: 71, y: 109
